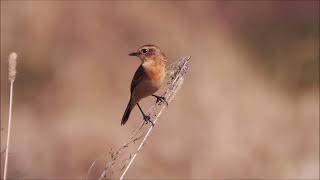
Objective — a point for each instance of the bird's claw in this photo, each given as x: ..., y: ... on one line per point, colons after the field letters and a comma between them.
x: 147, y: 119
x: 161, y: 99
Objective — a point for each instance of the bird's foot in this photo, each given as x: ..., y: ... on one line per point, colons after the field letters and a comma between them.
x: 147, y: 119
x: 161, y: 99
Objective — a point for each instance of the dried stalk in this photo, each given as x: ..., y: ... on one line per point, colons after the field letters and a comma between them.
x: 11, y: 76
x: 122, y: 159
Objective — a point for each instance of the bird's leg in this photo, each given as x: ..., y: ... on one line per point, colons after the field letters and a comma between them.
x: 145, y: 117
x: 160, y: 99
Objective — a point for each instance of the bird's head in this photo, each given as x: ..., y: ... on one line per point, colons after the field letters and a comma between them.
x: 149, y: 52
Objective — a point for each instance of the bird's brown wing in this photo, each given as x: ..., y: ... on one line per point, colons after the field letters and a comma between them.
x: 138, y: 75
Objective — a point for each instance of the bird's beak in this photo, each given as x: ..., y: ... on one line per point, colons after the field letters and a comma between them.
x: 134, y: 54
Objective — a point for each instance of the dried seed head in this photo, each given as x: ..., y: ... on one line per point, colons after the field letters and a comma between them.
x: 12, y: 66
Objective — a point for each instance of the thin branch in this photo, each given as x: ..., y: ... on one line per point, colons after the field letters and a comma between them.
x: 185, y: 64
x: 122, y: 159
x: 12, y: 75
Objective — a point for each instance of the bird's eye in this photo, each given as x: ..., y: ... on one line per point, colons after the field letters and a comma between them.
x: 145, y: 50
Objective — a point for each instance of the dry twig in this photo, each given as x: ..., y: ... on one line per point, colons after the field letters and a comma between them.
x: 122, y: 159
x: 11, y: 76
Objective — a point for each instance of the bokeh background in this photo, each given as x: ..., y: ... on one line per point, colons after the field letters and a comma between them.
x: 248, y: 109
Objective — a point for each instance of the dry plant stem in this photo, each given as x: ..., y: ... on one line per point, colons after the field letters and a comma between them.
x: 139, y: 148
x: 141, y: 145
x: 12, y: 75
x: 9, y: 133
x: 175, y: 81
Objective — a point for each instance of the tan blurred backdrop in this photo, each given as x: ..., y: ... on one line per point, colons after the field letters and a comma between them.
x: 249, y: 107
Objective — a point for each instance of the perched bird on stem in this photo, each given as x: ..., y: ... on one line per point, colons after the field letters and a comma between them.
x: 147, y: 79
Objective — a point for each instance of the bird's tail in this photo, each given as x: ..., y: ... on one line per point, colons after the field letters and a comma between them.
x: 127, y: 112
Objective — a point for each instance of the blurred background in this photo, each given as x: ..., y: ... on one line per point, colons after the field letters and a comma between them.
x: 249, y: 106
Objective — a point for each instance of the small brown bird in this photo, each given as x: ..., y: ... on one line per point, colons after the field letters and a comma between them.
x: 147, y: 79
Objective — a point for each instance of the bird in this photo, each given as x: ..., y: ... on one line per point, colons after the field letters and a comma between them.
x: 147, y: 79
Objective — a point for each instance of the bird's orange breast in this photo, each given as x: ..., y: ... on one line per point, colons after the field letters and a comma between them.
x: 155, y: 74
